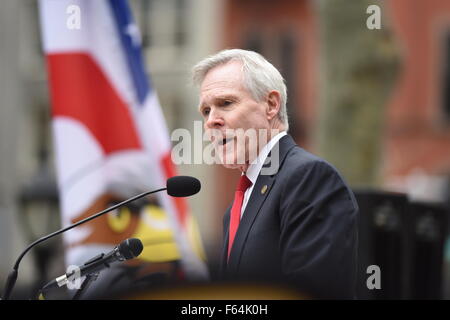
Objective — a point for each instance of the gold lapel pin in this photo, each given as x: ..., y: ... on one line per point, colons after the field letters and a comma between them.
x: 264, y: 189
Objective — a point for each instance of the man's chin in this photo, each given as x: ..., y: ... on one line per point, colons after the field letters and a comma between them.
x: 231, y: 161
x: 231, y: 165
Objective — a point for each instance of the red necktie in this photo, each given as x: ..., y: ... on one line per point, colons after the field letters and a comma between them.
x: 235, y: 216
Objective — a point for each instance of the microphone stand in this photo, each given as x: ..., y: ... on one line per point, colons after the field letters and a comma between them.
x: 91, y: 277
x: 12, y: 277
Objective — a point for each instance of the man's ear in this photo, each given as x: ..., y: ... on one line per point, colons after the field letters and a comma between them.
x: 273, y: 104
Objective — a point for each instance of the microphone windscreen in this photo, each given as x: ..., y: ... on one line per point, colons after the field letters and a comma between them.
x: 182, y: 186
x: 131, y: 248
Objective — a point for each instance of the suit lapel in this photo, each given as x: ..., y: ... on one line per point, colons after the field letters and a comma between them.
x: 254, y: 205
x: 251, y: 211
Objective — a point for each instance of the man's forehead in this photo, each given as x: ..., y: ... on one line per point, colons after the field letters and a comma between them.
x: 230, y: 72
x: 220, y: 87
x: 223, y: 76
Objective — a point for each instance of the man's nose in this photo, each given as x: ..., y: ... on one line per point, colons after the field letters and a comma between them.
x: 214, y: 120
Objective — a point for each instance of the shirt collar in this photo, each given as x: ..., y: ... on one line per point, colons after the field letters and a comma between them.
x: 257, y: 164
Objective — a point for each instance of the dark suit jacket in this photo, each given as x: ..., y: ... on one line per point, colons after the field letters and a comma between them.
x: 301, y: 231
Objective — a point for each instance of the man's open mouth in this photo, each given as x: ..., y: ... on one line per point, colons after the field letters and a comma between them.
x: 225, y: 141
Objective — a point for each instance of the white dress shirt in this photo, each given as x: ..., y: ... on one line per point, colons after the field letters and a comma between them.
x: 256, y: 166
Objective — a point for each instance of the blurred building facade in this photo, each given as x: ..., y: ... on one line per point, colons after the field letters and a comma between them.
x: 416, y: 153
x: 22, y: 103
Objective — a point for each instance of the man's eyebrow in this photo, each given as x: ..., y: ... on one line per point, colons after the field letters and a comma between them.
x: 226, y: 96
x: 218, y: 98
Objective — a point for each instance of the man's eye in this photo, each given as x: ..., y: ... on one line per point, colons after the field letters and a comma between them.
x: 205, y: 111
x: 227, y: 102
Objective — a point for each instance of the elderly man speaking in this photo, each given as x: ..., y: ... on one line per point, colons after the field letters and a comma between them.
x: 293, y: 219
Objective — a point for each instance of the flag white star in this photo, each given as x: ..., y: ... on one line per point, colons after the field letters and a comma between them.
x: 133, y: 31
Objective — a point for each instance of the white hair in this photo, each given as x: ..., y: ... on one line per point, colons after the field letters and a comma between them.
x: 260, y: 76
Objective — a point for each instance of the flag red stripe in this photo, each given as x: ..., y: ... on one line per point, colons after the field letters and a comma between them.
x: 80, y: 91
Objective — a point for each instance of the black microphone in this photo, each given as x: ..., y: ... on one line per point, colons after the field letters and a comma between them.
x: 182, y: 186
x: 127, y: 249
x: 178, y: 186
